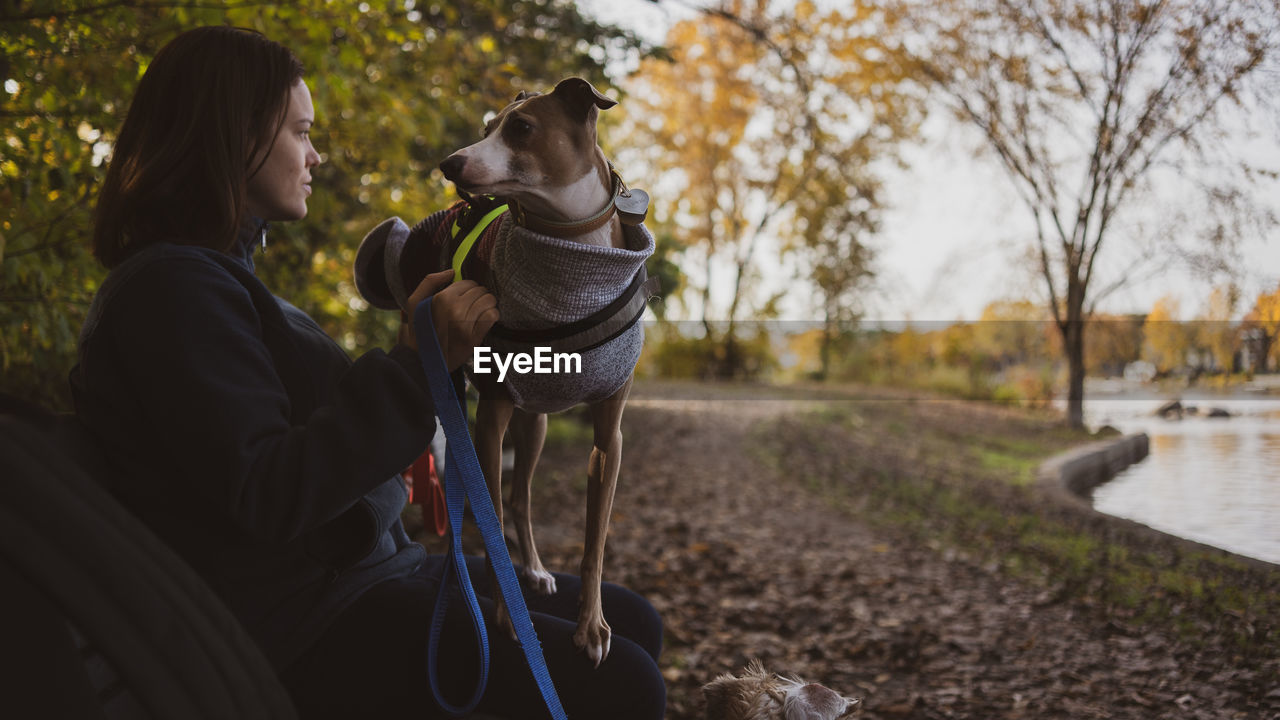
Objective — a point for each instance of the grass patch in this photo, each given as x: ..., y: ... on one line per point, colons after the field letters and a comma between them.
x: 1019, y: 470
x: 961, y: 474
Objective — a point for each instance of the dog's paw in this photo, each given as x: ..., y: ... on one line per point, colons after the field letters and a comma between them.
x: 540, y: 582
x: 593, y: 638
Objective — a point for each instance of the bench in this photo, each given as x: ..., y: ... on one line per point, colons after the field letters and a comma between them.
x: 102, y: 619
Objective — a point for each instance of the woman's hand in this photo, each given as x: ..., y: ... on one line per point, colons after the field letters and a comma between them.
x: 462, y: 313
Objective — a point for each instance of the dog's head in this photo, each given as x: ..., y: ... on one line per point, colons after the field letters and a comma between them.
x: 760, y: 695
x: 536, y: 149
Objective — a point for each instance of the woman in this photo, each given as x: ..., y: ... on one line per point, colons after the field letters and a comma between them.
x: 249, y: 441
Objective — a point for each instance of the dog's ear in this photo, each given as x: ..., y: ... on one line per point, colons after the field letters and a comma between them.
x: 581, y: 97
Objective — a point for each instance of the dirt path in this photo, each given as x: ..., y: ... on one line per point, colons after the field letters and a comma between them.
x: 745, y: 564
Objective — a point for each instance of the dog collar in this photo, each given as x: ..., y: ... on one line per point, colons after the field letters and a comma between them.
x: 631, y: 206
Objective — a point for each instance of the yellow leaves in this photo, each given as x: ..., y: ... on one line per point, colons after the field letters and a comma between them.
x: 1167, y: 341
x: 1262, y: 325
x: 1013, y: 310
x: 757, y: 122
x: 1266, y: 310
x: 1166, y: 308
x: 805, y: 9
x: 1112, y: 342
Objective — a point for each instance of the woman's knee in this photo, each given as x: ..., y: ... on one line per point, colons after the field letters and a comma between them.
x: 628, y: 685
x: 630, y: 615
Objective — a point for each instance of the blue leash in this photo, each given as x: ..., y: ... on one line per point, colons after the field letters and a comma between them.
x: 465, y: 481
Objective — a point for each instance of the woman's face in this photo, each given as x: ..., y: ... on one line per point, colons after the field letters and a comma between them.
x: 280, y: 187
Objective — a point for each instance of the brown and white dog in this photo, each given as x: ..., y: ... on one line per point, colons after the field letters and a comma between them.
x: 571, y: 245
x: 760, y: 695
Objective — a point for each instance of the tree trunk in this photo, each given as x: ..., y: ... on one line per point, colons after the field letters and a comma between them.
x: 824, y: 353
x: 731, y: 365
x: 1073, y: 343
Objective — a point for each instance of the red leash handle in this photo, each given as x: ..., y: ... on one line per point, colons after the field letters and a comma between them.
x: 426, y: 491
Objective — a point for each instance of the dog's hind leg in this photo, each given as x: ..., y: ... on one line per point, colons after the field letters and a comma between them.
x: 593, y: 634
x: 493, y: 413
x: 528, y: 431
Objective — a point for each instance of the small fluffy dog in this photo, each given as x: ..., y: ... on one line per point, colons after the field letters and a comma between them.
x: 758, y: 694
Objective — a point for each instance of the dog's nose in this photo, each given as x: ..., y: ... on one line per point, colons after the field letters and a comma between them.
x: 452, y: 166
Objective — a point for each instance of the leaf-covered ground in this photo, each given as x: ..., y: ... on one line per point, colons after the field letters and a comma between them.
x: 829, y: 536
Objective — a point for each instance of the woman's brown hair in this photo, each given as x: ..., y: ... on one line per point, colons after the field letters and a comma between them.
x: 211, y: 100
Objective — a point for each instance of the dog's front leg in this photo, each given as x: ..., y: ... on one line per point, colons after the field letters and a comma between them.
x: 493, y: 413
x: 593, y: 634
x: 529, y: 432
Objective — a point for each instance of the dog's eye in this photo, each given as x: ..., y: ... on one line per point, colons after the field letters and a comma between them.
x: 519, y: 127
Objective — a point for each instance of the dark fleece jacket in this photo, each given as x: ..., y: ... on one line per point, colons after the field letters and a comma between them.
x: 247, y: 439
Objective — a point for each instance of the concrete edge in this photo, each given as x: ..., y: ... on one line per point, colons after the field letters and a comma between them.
x: 1073, y: 475
x: 1070, y: 477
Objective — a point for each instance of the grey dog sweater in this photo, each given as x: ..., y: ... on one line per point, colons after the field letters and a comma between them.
x: 540, y: 282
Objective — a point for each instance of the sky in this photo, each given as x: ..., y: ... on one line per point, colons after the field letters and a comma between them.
x: 953, y: 235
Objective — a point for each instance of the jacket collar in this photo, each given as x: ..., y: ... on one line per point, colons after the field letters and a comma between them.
x: 253, y: 233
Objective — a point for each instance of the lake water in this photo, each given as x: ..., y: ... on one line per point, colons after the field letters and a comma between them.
x: 1213, y: 480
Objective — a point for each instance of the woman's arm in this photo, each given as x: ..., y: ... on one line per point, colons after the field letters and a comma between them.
x: 221, y: 391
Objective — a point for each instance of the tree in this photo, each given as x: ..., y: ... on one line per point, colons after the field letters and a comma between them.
x: 763, y: 125
x: 1167, y: 342
x: 827, y: 233
x: 396, y: 90
x: 1012, y: 332
x: 1086, y: 104
x: 1113, y: 341
x: 1216, y: 332
x: 1261, y: 327
x: 63, y: 70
